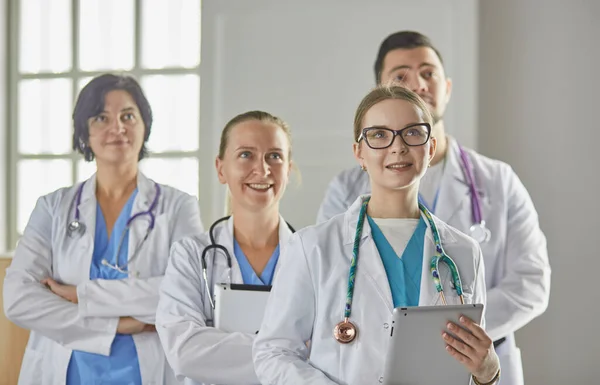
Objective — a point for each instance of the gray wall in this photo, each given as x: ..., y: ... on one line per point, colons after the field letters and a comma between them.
x: 290, y: 58
x: 538, y: 96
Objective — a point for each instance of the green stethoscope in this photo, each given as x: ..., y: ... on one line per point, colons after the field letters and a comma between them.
x: 345, y: 331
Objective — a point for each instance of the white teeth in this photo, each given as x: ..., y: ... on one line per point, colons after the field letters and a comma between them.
x: 398, y: 165
x: 259, y: 186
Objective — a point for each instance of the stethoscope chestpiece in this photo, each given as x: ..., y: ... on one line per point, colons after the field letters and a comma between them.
x: 75, y: 227
x: 480, y: 233
x: 345, y: 332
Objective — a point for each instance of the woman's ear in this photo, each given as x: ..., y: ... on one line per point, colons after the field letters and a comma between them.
x: 219, y: 167
x: 356, y: 148
x: 432, y: 148
x: 291, y: 167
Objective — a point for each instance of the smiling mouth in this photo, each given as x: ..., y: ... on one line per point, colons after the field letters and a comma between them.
x: 398, y: 166
x: 259, y: 186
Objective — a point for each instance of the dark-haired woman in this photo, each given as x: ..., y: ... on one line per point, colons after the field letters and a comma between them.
x: 85, y: 274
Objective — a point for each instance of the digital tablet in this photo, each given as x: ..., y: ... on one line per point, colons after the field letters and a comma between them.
x: 240, y: 308
x: 417, y: 352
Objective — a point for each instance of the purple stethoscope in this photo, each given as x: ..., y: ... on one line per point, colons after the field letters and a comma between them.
x: 478, y: 229
x: 75, y: 226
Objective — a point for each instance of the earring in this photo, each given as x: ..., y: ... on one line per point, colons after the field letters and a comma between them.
x: 429, y: 165
x: 363, y: 168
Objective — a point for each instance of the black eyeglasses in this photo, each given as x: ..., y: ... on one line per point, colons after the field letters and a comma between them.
x: 380, y: 137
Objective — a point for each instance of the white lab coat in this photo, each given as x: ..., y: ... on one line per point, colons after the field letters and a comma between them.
x: 518, y: 270
x: 309, y: 295
x: 203, y: 353
x: 58, y: 326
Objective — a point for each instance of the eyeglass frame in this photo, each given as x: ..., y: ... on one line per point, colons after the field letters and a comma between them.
x: 363, y: 135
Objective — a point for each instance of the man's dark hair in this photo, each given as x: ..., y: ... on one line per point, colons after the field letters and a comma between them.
x: 401, y: 40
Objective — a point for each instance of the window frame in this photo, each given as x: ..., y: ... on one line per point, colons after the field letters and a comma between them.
x: 74, y: 74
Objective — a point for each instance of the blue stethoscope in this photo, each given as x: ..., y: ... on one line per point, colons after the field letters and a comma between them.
x: 76, y: 226
x: 345, y: 331
x: 478, y: 229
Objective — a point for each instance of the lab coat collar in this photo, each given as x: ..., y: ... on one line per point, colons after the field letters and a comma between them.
x: 351, y: 220
x: 375, y: 269
x: 146, y: 189
x: 224, y: 236
x: 87, y: 213
x: 454, y: 186
x: 284, y: 231
x: 143, y: 200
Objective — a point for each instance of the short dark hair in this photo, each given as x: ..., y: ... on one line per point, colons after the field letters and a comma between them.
x: 91, y: 101
x: 401, y: 40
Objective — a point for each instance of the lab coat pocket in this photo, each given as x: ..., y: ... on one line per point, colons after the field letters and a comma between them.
x: 32, y: 368
x: 454, y: 299
x: 468, y: 297
x: 512, y: 367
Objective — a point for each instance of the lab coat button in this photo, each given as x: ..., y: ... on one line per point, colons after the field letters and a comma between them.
x: 381, y: 380
x: 385, y: 326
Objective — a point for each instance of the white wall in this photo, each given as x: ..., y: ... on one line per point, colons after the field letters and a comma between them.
x: 538, y: 89
x: 311, y: 62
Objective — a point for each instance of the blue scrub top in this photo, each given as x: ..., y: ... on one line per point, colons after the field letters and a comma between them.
x: 248, y: 274
x: 404, y: 274
x: 122, y: 366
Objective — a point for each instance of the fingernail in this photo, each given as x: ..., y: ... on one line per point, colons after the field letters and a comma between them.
x: 451, y: 326
x: 448, y: 348
x: 463, y: 320
x: 445, y: 335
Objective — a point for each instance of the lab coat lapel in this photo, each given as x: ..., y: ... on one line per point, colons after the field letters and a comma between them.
x: 139, y: 226
x: 225, y: 238
x: 371, y: 264
x: 87, y: 216
x: 429, y: 295
x: 369, y: 260
x: 454, y: 189
x: 284, y: 234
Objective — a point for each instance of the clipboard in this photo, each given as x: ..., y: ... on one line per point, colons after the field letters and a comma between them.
x: 240, y: 308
